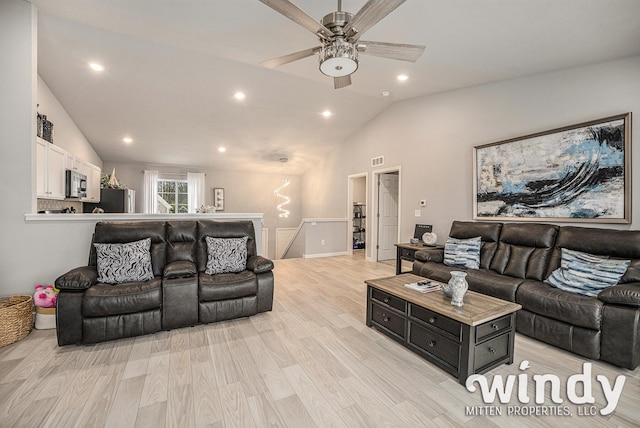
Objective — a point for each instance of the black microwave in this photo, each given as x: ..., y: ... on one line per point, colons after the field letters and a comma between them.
x: 75, y: 184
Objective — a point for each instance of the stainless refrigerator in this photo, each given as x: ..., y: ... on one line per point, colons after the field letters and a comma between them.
x: 114, y: 201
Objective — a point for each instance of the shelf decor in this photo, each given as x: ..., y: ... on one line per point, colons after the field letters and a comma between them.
x: 579, y: 173
x: 218, y: 198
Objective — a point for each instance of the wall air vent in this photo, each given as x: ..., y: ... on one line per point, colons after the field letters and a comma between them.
x: 379, y: 161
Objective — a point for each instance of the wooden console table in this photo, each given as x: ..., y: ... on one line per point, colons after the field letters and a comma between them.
x: 472, y: 339
x: 407, y: 251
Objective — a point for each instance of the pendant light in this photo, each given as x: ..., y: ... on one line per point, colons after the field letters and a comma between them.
x: 284, y: 213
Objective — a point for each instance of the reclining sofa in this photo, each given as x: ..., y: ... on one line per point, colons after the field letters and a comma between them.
x: 516, y: 259
x: 179, y: 291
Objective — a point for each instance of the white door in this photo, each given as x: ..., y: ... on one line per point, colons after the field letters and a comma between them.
x: 387, y: 216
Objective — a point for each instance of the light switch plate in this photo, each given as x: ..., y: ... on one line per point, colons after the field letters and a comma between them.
x: 418, y: 213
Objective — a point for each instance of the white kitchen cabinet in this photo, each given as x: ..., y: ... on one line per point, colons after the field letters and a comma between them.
x: 51, y: 162
x: 93, y: 173
x: 73, y: 163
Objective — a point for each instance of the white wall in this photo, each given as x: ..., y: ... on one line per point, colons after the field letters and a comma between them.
x: 243, y: 192
x: 432, y: 138
x: 21, y: 246
x: 360, y: 190
x: 30, y: 253
x: 66, y: 133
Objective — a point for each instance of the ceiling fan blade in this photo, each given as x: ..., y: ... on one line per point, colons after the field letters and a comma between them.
x: 341, y: 82
x: 402, y: 52
x: 372, y: 12
x: 286, y: 59
x: 299, y: 16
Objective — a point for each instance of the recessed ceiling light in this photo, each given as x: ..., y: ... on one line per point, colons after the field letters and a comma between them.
x: 95, y: 66
x: 239, y: 96
x: 402, y: 77
x: 327, y: 113
x: 222, y: 149
x: 127, y: 140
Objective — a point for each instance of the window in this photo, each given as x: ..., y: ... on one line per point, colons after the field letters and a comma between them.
x: 173, y: 196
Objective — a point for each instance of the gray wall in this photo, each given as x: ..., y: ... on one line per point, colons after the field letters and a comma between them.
x: 243, y: 192
x: 326, y: 237
x: 432, y: 138
x: 320, y: 238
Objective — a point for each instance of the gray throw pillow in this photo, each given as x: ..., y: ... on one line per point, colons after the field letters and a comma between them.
x: 586, y: 274
x: 118, y: 263
x: 226, y: 255
x: 462, y: 252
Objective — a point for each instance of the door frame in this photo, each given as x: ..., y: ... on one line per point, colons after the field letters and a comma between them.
x: 372, y: 212
x: 350, y: 179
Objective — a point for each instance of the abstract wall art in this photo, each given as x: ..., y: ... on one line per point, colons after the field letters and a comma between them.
x: 579, y: 173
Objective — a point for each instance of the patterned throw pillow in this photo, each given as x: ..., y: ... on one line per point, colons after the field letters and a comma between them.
x: 586, y: 274
x: 462, y: 252
x: 118, y: 263
x: 226, y: 255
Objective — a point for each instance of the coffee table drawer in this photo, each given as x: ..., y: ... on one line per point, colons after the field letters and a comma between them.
x: 492, y: 327
x: 435, y: 344
x: 436, y: 320
x: 389, y: 299
x: 490, y: 351
x: 389, y: 320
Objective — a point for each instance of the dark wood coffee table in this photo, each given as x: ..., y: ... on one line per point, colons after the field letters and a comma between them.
x: 472, y: 339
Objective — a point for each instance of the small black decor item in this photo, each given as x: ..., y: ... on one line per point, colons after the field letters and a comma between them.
x: 41, y: 119
x: 47, y: 130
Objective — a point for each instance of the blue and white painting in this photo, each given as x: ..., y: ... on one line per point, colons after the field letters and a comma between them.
x: 576, y: 174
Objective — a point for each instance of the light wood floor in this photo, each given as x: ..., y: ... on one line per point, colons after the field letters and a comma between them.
x: 310, y: 362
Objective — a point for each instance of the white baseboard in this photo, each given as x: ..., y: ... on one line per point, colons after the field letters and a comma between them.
x: 315, y: 256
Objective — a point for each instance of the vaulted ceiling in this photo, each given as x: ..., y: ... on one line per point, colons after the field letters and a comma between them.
x: 172, y: 68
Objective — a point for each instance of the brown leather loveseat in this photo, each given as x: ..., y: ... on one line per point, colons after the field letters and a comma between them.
x: 176, y: 291
x: 516, y: 259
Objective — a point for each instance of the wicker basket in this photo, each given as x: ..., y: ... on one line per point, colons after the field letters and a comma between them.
x: 16, y: 318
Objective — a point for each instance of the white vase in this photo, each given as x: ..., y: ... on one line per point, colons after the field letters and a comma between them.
x: 458, y: 287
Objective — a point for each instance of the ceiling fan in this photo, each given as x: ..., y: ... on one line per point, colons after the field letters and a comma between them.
x: 339, y: 34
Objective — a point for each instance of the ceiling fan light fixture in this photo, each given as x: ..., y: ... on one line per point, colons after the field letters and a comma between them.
x: 338, y: 59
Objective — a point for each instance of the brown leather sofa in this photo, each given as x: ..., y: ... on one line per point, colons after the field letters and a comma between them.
x: 180, y: 294
x: 515, y: 259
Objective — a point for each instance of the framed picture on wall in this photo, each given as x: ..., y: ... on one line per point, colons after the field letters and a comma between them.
x: 579, y: 173
x: 218, y: 198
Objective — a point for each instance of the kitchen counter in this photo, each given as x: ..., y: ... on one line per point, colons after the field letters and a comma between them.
x: 138, y: 217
